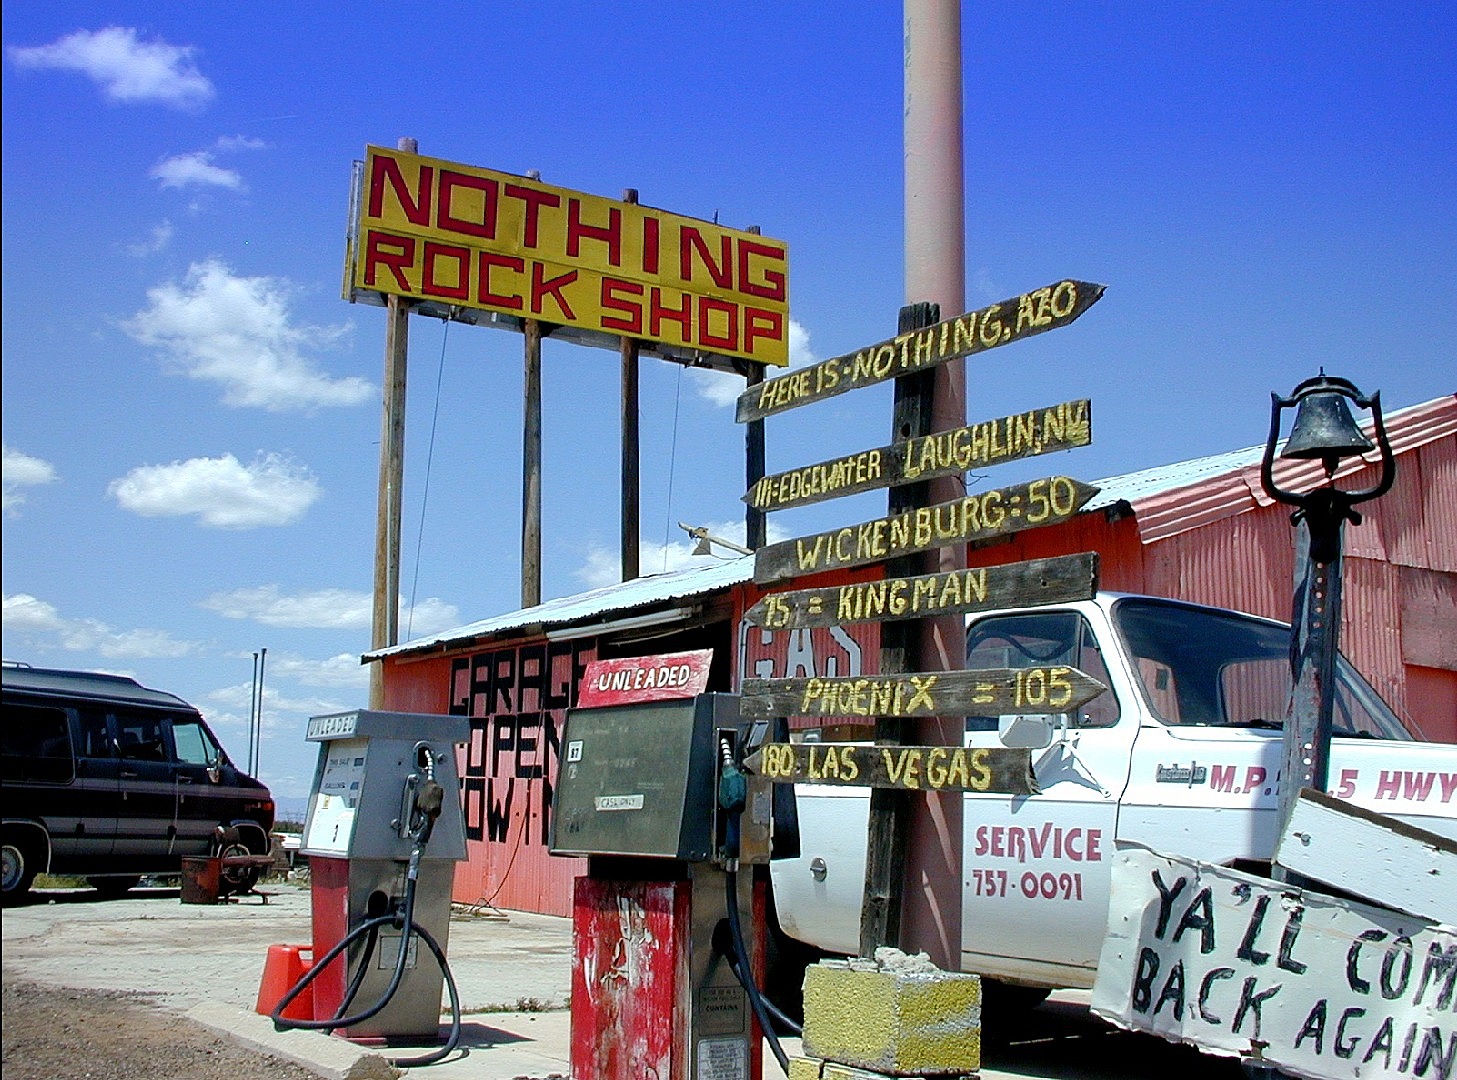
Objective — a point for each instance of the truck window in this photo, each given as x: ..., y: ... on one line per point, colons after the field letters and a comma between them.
x: 1041, y: 639
x: 36, y: 745
x: 1204, y: 666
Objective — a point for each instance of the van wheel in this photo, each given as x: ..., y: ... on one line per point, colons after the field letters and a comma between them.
x: 113, y: 887
x: 17, y: 872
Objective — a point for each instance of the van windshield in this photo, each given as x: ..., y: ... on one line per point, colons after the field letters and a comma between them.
x: 1200, y: 666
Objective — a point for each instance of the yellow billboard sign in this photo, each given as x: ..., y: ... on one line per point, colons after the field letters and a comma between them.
x: 433, y: 230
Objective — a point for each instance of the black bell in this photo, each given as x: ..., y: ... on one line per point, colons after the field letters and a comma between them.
x: 1324, y: 428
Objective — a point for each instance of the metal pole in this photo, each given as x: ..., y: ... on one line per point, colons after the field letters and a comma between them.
x: 257, y: 756
x: 252, y: 714
x: 385, y: 628
x: 935, y: 272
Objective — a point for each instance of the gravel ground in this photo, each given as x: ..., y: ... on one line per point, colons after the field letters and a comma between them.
x: 49, y: 1033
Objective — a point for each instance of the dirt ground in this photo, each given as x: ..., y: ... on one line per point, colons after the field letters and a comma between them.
x: 48, y: 1033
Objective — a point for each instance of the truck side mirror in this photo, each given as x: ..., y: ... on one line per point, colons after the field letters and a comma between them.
x: 1034, y: 731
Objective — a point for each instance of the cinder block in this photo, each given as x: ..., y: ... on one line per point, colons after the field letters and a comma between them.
x: 804, y: 1068
x: 897, y: 1015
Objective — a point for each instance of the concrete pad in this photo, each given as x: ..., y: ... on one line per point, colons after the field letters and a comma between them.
x: 335, y: 1059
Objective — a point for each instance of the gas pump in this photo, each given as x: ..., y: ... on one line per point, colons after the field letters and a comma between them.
x: 651, y: 793
x: 383, y: 834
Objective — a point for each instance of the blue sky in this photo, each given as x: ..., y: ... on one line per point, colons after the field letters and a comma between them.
x: 191, y: 412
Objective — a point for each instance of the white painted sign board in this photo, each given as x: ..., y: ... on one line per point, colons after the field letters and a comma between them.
x: 1242, y: 966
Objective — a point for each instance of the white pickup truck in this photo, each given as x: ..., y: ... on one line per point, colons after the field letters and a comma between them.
x: 1181, y: 754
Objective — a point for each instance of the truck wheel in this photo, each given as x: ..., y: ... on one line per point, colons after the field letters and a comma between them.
x: 17, y: 871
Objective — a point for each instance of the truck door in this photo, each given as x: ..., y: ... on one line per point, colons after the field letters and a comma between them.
x: 1036, y: 868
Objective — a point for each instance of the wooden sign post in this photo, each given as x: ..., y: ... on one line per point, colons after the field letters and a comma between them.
x: 906, y: 599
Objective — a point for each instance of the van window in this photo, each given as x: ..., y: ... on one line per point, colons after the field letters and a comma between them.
x: 95, y: 738
x: 140, y: 737
x: 37, y: 745
x: 194, y: 744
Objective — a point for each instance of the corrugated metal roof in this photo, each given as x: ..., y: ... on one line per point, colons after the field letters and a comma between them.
x: 1166, y: 500
x: 621, y: 599
x: 1170, y: 499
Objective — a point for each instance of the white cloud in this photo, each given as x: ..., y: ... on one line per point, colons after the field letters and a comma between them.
x: 127, y: 69
x: 236, y: 331
x: 19, y: 471
x: 34, y: 622
x: 196, y: 168
x: 326, y: 609
x: 221, y: 491
x: 342, y: 672
x: 200, y: 169
x: 603, y: 567
x: 159, y: 238
x: 723, y: 388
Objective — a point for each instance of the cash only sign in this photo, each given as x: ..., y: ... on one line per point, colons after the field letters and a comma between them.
x: 977, y: 515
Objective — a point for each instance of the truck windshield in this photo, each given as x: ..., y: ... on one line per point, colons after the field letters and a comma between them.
x: 1201, y: 666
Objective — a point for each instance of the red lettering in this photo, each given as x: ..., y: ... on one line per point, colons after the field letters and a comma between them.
x: 759, y: 323
x: 692, y: 241
x: 981, y: 840
x: 1069, y: 845
x: 430, y: 285
x: 1449, y: 786
x: 394, y: 253
x: 707, y: 306
x: 484, y: 290
x: 1347, y: 786
x: 657, y: 313
x: 632, y: 324
x: 774, y: 281
x: 610, y: 234
x: 486, y: 227
x: 1093, y: 852
x: 998, y: 833
x: 1417, y: 786
x: 650, y: 245
x: 534, y: 200
x: 387, y: 170
x: 1254, y: 777
x: 1389, y: 785
x: 1221, y: 778
x: 542, y: 287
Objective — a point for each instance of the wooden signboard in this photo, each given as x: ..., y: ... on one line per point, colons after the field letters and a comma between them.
x: 907, y: 768
x: 945, y: 453
x: 989, y: 692
x: 1011, y: 320
x: 1037, y: 581
x: 978, y: 516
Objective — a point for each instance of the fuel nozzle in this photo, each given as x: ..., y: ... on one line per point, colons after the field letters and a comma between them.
x: 733, y: 796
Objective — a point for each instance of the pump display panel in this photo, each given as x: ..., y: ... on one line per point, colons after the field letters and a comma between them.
x: 639, y: 779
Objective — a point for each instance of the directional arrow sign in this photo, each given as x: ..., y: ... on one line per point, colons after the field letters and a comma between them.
x: 1036, y: 581
x: 999, y: 324
x: 907, y: 768
x: 989, y: 692
x: 978, y: 516
x: 945, y: 453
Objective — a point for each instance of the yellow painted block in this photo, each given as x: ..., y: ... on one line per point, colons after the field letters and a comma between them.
x: 804, y: 1068
x: 900, y: 1022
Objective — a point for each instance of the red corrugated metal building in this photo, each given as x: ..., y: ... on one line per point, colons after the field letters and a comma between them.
x: 1200, y: 530
x: 1205, y: 531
